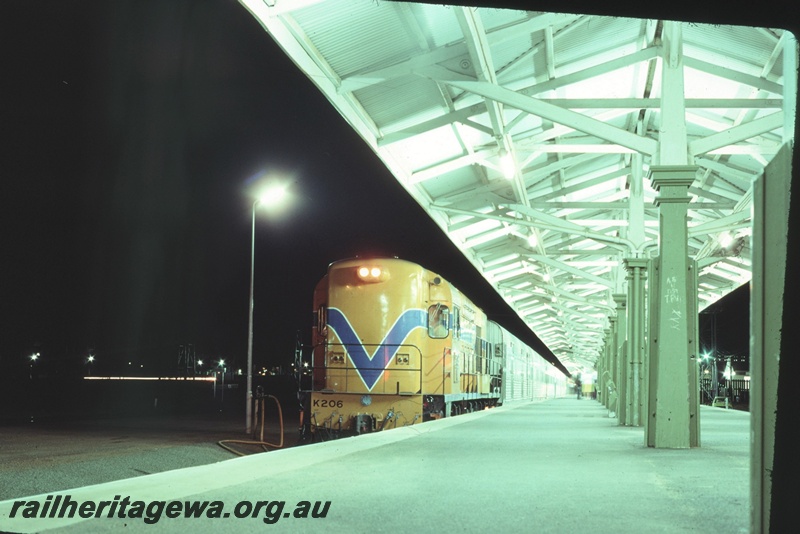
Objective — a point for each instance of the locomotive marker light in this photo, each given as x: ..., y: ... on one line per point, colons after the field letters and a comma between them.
x: 271, y: 197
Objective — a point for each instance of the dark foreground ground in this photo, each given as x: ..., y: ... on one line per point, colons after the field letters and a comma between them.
x: 62, y: 449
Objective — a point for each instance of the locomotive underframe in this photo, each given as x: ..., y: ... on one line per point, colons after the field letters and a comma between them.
x: 329, y: 415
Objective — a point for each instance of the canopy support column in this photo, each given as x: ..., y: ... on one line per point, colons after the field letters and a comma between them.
x: 621, y: 356
x: 672, y: 409
x: 637, y: 274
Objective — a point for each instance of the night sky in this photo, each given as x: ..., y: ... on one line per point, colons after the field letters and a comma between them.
x: 133, y: 135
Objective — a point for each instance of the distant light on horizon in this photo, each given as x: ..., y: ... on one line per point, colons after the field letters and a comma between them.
x: 170, y: 378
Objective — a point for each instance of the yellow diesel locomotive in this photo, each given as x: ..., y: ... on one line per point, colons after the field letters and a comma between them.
x: 394, y: 344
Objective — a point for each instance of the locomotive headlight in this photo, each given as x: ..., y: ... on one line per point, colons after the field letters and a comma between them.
x: 366, y: 400
x: 371, y: 274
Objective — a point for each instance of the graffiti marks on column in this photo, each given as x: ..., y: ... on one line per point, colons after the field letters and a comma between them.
x: 672, y: 295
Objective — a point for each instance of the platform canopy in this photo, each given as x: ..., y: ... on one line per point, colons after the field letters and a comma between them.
x: 528, y: 138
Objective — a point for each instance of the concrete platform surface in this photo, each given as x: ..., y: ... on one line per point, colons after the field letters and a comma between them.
x: 558, y: 466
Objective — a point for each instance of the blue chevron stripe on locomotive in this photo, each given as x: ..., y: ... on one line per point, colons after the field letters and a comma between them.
x: 370, y: 367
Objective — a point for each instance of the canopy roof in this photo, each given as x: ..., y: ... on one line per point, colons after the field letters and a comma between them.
x: 528, y: 137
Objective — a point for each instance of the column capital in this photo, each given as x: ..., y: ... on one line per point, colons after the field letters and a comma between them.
x: 667, y: 173
x: 672, y: 182
x: 620, y: 299
x: 635, y: 263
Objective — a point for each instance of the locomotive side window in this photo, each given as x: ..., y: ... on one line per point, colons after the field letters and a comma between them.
x: 456, y: 323
x: 438, y: 321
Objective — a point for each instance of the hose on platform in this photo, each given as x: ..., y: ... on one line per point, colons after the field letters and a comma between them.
x: 261, y: 441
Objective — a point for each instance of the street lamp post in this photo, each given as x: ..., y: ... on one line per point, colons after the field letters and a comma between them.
x: 271, y: 196
x: 222, y: 396
x: 33, y: 357
x: 249, y: 395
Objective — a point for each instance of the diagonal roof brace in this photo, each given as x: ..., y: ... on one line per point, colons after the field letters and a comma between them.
x: 551, y: 222
x: 737, y: 133
x: 550, y: 112
x: 740, y: 219
x: 573, y: 270
x: 566, y: 295
x: 448, y: 52
x: 544, y: 221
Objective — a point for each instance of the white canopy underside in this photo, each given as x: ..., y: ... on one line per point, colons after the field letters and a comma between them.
x: 528, y: 138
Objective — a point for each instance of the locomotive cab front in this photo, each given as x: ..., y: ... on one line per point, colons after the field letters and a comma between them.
x: 394, y: 345
x: 375, y: 325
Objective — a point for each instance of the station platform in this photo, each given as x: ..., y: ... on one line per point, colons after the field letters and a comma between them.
x: 559, y: 466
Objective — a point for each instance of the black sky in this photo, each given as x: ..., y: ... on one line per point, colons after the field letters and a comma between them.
x: 132, y: 134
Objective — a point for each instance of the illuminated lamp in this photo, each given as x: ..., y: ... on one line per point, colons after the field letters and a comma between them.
x: 725, y: 240
x: 371, y: 274
x: 507, y: 165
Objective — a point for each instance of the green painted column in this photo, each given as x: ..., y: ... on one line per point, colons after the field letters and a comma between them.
x: 611, y: 369
x: 620, y: 352
x: 601, y: 366
x: 637, y: 275
x: 669, y: 404
x: 607, y: 365
x: 769, y: 462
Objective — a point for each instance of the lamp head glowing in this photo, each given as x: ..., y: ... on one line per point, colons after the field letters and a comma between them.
x: 272, y: 195
x: 507, y: 165
x: 725, y: 240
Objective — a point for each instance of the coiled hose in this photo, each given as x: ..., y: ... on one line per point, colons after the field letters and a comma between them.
x: 261, y: 441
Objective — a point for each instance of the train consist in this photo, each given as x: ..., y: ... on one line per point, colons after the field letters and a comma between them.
x: 394, y: 344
